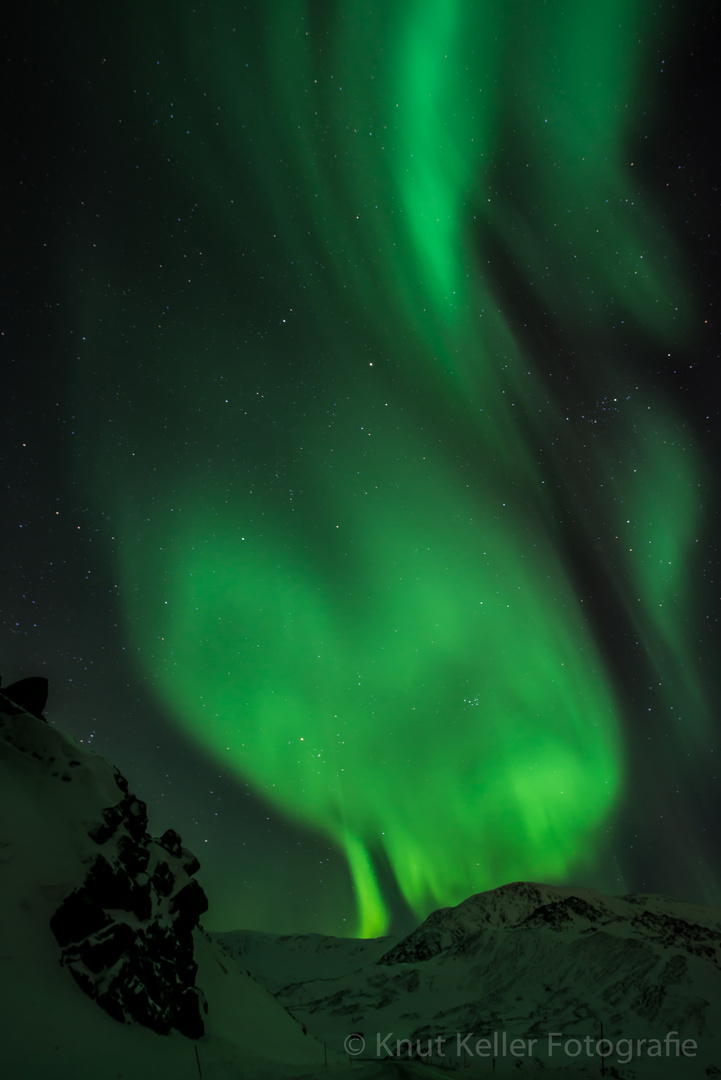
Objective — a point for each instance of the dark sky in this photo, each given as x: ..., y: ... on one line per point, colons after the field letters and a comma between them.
x: 360, y: 437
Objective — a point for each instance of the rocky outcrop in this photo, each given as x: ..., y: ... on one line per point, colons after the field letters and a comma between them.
x: 127, y: 932
x: 29, y: 695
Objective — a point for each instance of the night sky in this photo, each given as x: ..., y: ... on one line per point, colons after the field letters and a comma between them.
x: 360, y: 435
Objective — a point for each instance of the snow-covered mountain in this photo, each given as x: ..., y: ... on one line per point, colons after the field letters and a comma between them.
x: 105, y: 972
x: 558, y: 969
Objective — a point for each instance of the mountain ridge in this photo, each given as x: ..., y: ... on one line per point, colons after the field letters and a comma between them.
x: 521, y: 965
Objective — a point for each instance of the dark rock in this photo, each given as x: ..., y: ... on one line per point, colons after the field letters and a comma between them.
x: 112, y: 817
x: 130, y: 813
x: 189, y: 1021
x: 190, y: 903
x: 9, y: 707
x: 113, y: 888
x: 30, y: 694
x: 170, y: 841
x: 136, y: 818
x: 78, y: 916
x: 134, y: 856
x: 121, y: 781
x: 102, y: 950
x: 191, y: 864
x: 86, y: 984
x: 126, y: 937
x: 108, y: 1001
x: 106, y: 885
x: 163, y: 879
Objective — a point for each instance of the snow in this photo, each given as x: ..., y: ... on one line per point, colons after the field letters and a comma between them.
x: 524, y: 960
x: 51, y: 1029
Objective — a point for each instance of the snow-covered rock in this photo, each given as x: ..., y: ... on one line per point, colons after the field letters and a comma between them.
x: 555, y: 968
x: 75, y: 854
x: 126, y: 930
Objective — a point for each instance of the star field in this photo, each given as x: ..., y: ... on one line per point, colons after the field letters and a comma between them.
x: 360, y: 442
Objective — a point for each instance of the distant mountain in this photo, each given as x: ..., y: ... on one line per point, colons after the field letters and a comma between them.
x: 105, y: 972
x: 558, y: 969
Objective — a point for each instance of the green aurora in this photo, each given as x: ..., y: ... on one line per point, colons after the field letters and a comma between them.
x: 346, y: 492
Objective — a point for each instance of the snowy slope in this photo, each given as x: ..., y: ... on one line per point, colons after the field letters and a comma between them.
x: 52, y: 791
x: 526, y: 960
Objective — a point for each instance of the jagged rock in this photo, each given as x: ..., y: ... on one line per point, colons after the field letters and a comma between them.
x: 163, y: 879
x: 29, y: 694
x: 171, y: 842
x: 134, y: 856
x: 130, y: 813
x: 9, y: 707
x: 147, y: 977
x: 188, y: 1019
x: 191, y: 864
x: 78, y: 916
x: 112, y: 817
x: 102, y: 950
x: 120, y: 780
x: 136, y: 818
x: 190, y: 903
x: 127, y: 932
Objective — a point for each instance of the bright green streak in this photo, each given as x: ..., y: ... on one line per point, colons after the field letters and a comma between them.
x: 396, y: 655
x: 435, y: 701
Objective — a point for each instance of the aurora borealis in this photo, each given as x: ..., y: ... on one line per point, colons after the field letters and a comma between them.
x: 377, y: 316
